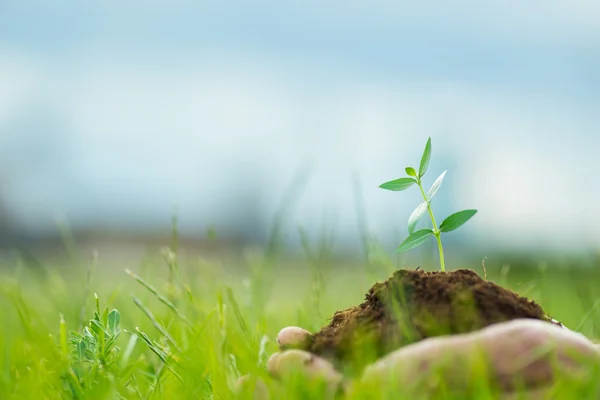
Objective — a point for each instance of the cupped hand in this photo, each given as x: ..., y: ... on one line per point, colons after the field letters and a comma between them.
x: 522, y: 356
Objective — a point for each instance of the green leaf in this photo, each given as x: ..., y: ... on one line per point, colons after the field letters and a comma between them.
x: 455, y: 220
x: 96, y: 327
x: 398, y: 184
x: 416, y: 215
x: 425, y: 158
x: 87, y: 333
x: 410, y: 171
x: 436, y: 185
x: 109, y: 345
x: 114, y: 317
x: 98, y: 331
x: 414, y: 240
x: 105, y: 316
x: 81, y: 348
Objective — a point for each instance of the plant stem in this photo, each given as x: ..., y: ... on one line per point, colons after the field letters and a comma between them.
x: 436, y: 231
x: 439, y: 241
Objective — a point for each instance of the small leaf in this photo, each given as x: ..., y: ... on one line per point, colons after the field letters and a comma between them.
x: 87, y: 333
x: 81, y: 348
x: 455, y: 220
x: 105, y: 316
x: 98, y: 330
x: 109, y: 345
x: 436, y: 185
x: 416, y: 215
x: 75, y: 335
x: 425, y: 158
x: 414, y: 240
x: 410, y: 171
x: 398, y: 184
x: 96, y: 327
x: 114, y: 317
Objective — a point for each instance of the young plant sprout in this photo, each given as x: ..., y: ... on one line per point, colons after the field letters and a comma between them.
x: 454, y: 221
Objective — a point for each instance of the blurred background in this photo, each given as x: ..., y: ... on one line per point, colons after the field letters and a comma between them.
x: 115, y: 118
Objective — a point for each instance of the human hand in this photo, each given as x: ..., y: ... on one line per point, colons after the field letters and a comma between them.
x: 521, y: 356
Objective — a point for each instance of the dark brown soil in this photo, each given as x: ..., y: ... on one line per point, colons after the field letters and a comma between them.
x: 414, y: 305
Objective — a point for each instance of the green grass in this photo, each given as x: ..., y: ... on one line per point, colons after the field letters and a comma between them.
x: 191, y: 327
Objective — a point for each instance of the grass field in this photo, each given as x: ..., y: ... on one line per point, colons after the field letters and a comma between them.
x: 189, y: 327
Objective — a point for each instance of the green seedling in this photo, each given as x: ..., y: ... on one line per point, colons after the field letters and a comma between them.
x: 454, y: 221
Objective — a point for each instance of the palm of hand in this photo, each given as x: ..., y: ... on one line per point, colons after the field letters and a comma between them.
x: 520, y: 355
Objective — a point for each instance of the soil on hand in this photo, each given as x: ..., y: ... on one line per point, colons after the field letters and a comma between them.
x: 414, y: 305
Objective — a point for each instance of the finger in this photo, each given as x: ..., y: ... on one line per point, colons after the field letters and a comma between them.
x: 542, y: 393
x: 528, y: 349
x: 414, y: 366
x: 251, y: 387
x: 536, y: 351
x: 299, y: 363
x: 294, y: 337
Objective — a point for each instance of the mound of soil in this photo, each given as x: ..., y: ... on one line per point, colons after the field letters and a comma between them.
x: 414, y: 305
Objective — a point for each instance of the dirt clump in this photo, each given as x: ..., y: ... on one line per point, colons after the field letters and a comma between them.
x: 413, y: 305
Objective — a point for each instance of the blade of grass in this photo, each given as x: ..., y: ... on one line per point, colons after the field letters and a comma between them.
x: 236, y: 311
x: 156, y: 324
x: 64, y: 344
x: 159, y: 296
x: 86, y: 290
x: 588, y: 315
x: 165, y: 358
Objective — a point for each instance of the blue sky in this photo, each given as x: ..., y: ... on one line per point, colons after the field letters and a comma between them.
x: 111, y: 114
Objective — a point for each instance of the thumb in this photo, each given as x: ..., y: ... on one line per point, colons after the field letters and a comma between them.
x: 293, y: 337
x: 301, y: 367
